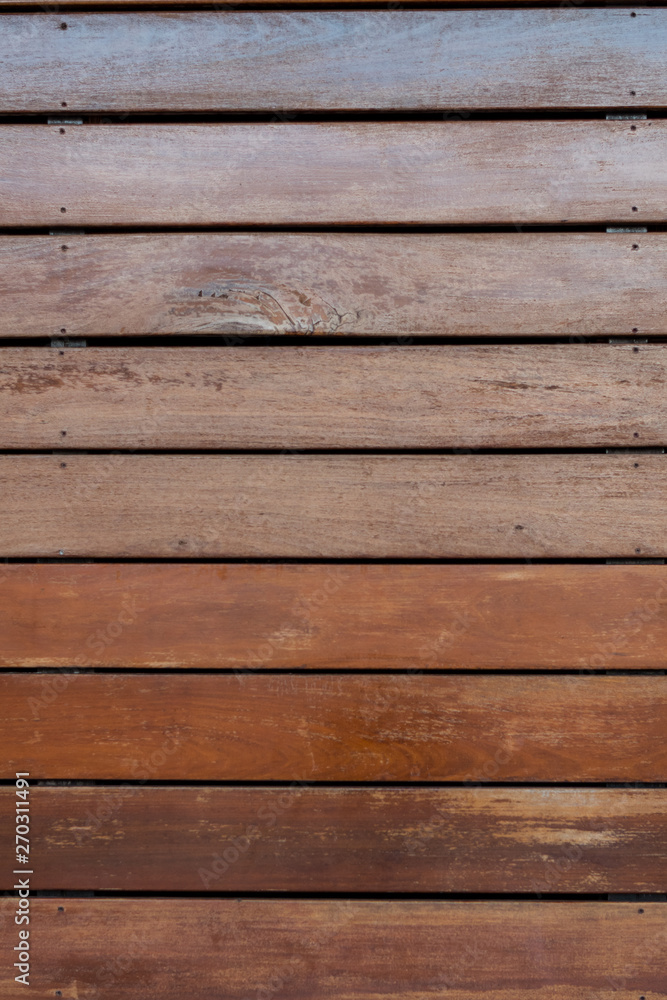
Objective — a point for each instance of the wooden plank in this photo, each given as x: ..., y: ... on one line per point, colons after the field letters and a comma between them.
x: 341, y: 616
x: 140, y: 949
x: 349, y: 60
x: 253, y: 727
x: 538, y: 396
x: 349, y: 840
x: 333, y: 506
x: 375, y: 173
x: 451, y: 284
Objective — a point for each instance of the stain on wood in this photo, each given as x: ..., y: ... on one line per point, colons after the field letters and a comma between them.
x: 347, y: 60
x: 140, y: 949
x: 343, y: 616
x: 527, y: 396
x: 340, y: 728
x: 373, y: 173
x: 348, y: 506
x: 296, y: 838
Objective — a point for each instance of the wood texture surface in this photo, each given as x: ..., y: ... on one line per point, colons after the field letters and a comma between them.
x: 350, y: 60
x: 388, y: 284
x: 346, y: 506
x: 342, y: 616
x: 527, y: 396
x: 96, y: 949
x: 299, y: 839
x: 324, y: 727
x: 375, y: 173
x: 239, y: 739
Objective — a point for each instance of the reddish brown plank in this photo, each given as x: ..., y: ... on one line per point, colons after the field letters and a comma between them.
x: 566, y: 395
x: 348, y: 506
x: 375, y: 173
x: 342, y: 616
x: 140, y: 949
x: 350, y: 60
x: 334, y: 727
x: 300, y: 839
x: 241, y: 284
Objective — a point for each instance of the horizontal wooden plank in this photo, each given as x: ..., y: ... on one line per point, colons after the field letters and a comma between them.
x: 566, y: 395
x: 342, y: 616
x: 325, y: 727
x: 349, y: 60
x: 240, y: 284
x: 299, y: 839
x: 346, y: 506
x: 410, y: 172
x: 246, y: 949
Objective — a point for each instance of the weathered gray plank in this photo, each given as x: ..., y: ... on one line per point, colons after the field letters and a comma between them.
x: 334, y: 397
x: 240, y: 284
x: 381, y: 59
x: 375, y: 173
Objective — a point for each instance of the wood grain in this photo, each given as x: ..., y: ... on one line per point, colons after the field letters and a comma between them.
x: 140, y: 949
x: 325, y: 727
x: 387, y: 284
x: 299, y: 839
x: 535, y: 396
x: 346, y: 506
x: 349, y: 60
x: 341, y: 616
x: 374, y: 173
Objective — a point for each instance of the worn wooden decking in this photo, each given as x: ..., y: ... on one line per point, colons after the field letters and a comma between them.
x: 333, y: 605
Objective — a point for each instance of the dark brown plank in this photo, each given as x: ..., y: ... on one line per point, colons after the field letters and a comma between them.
x: 350, y: 60
x: 341, y: 616
x: 240, y: 284
x: 334, y: 727
x: 409, y: 172
x: 299, y: 839
x: 245, y: 949
x: 527, y: 396
x: 348, y: 506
